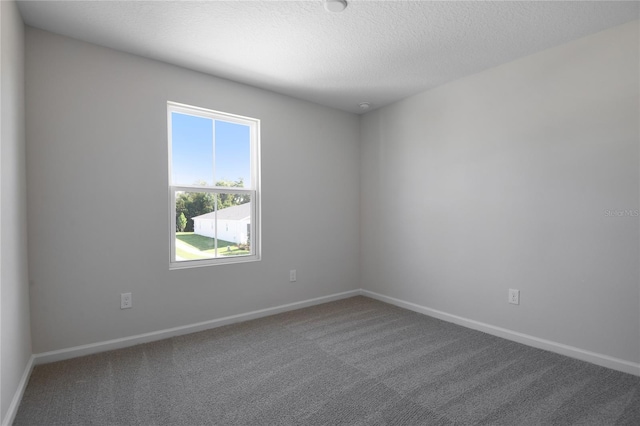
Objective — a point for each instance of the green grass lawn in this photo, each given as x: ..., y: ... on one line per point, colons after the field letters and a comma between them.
x: 189, y: 256
x: 235, y: 252
x: 207, y: 246
x: 200, y: 242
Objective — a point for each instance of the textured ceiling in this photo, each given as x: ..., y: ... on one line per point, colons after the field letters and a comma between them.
x: 375, y: 51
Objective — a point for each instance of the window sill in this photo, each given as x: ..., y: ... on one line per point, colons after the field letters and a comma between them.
x: 213, y: 262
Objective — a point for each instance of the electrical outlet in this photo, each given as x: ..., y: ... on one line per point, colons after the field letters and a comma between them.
x: 514, y: 296
x: 125, y: 301
x: 292, y: 276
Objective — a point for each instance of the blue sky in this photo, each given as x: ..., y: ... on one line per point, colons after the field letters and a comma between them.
x: 193, y: 149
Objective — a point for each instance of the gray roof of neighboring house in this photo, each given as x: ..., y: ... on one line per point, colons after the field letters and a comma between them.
x: 240, y: 212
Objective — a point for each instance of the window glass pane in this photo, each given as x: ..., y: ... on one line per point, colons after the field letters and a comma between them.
x: 191, y: 150
x: 193, y: 240
x: 233, y: 154
x: 234, y: 225
x: 204, y: 233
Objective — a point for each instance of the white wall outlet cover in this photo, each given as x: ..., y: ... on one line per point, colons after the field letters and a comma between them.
x: 514, y: 296
x: 125, y: 301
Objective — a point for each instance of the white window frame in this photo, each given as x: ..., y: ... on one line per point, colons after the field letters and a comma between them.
x: 253, y: 191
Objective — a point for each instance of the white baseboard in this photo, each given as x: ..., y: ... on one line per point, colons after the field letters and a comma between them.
x: 570, y: 351
x: 59, y: 355
x: 17, y: 397
x: 62, y: 354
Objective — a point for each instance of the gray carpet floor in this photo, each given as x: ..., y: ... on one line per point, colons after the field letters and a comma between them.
x: 355, y: 361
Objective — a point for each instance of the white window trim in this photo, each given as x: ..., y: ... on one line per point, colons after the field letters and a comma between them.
x: 254, y: 191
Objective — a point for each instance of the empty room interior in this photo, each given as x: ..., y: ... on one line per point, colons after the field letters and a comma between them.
x: 320, y: 212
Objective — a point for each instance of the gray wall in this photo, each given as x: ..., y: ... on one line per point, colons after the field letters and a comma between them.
x: 14, y: 285
x: 502, y: 180
x: 499, y: 180
x: 98, y: 199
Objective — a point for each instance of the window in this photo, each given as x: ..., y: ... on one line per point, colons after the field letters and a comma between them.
x: 214, y: 198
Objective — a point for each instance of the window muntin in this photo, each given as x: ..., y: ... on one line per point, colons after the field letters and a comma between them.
x: 213, y: 187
